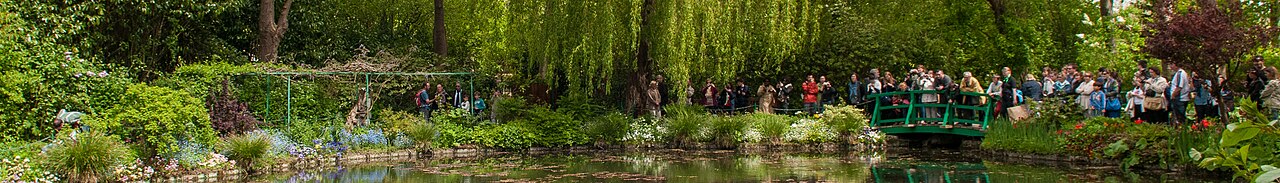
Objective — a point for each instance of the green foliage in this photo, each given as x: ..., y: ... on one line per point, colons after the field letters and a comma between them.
x: 845, y: 119
x: 399, y: 122
x: 772, y: 127
x: 555, y: 129
x: 685, y: 123
x: 200, y: 79
x: 41, y: 77
x: 247, y: 149
x: 450, y: 134
x: 1028, y: 137
x: 155, y: 119
x: 609, y: 128
x: 728, y: 130
x: 515, y: 135
x: 422, y: 134
x: 810, y: 131
x: 1246, y: 145
x: 86, y: 157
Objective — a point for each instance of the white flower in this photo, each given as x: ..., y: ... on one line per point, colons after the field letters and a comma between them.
x: 102, y: 74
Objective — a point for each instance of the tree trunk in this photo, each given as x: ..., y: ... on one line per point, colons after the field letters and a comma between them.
x: 638, y: 83
x: 271, y: 29
x: 998, y: 10
x: 439, y: 36
x: 1104, y: 9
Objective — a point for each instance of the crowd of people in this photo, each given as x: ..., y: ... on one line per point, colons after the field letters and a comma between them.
x: 1157, y: 95
x: 429, y: 100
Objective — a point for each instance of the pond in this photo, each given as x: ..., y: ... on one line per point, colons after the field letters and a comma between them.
x: 724, y: 166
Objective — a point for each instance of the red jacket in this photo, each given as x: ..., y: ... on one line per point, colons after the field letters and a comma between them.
x: 810, y: 92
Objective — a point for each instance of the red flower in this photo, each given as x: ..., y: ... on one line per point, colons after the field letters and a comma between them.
x: 1193, y: 127
x: 1137, y: 122
x: 1059, y: 132
x: 1205, y: 123
x: 1079, y: 125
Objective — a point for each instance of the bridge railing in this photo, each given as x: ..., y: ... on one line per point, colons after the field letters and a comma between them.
x: 949, y: 111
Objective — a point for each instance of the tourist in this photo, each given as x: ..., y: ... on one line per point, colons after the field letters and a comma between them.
x: 1228, y: 100
x: 1069, y: 77
x: 1097, y: 100
x: 1007, y: 87
x: 1048, y: 84
x: 943, y: 83
x: 727, y: 97
x: 1085, y: 89
x: 1179, y: 93
x: 479, y: 105
x: 994, y: 91
x: 1032, y: 89
x: 709, y: 95
x: 1204, y: 100
x: 689, y: 93
x: 664, y: 91
x: 811, y: 91
x: 853, y: 90
x: 874, y: 86
x: 1154, y: 88
x: 1061, y: 87
x: 424, y: 100
x: 891, y: 82
x: 655, y: 100
x: 1110, y: 87
x: 766, y: 92
x: 458, y: 98
x: 743, y: 96
x: 927, y: 84
x: 828, y: 93
x: 441, y: 102
x: 1136, y: 96
x: 783, y: 97
x: 1271, y: 93
x: 1257, y: 80
x: 970, y: 84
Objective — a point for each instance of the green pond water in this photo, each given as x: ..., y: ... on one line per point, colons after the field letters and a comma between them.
x: 725, y: 166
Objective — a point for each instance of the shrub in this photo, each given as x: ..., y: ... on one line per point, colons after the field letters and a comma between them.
x: 86, y: 157
x: 155, y: 119
x: 845, y: 120
x: 394, y: 123
x: 645, y: 131
x: 609, y: 128
x: 449, y: 134
x: 514, y: 135
x: 1028, y: 137
x: 555, y: 129
x: 810, y: 131
x: 228, y: 115
x: 771, y: 126
x: 685, y: 128
x: 22, y: 169
x: 728, y: 131
x: 422, y: 134
x: 246, y: 149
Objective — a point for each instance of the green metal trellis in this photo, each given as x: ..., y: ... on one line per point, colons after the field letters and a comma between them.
x: 367, y: 84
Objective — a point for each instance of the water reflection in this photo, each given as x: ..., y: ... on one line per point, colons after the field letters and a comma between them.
x: 715, y: 166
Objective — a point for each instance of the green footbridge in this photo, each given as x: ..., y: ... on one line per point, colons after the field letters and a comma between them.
x: 962, y: 117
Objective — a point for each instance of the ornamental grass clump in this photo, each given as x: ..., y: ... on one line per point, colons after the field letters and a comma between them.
x: 86, y: 157
x: 247, y: 149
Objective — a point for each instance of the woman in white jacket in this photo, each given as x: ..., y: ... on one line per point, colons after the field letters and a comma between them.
x: 1155, y: 87
x: 926, y: 83
x: 1084, y: 89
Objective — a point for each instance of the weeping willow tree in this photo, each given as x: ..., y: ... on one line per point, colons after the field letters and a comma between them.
x: 592, y: 46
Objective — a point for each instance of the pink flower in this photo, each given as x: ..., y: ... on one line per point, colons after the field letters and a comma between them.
x: 102, y: 74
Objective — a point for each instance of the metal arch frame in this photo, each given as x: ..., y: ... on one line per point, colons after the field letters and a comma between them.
x: 367, y: 82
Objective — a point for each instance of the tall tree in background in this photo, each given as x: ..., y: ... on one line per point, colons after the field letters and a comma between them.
x: 271, y: 28
x: 638, y: 82
x: 1204, y: 39
x: 998, y: 11
x: 439, y: 37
